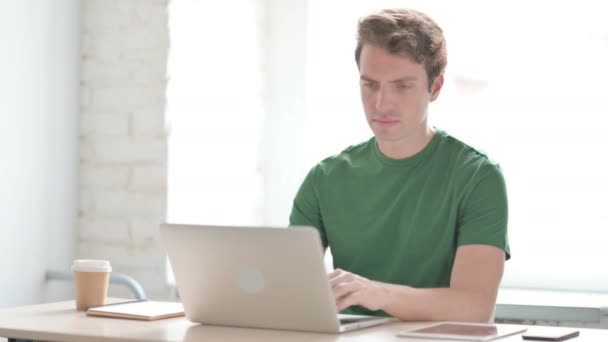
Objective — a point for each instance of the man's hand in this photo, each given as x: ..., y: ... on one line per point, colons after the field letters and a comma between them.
x: 350, y: 289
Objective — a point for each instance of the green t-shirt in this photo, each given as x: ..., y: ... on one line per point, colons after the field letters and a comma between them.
x: 400, y: 221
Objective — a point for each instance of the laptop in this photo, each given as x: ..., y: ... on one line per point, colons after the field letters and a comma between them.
x: 256, y: 277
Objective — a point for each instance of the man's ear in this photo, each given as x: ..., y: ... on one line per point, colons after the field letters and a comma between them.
x: 436, y: 87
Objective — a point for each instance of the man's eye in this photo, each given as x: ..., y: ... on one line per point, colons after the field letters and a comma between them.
x: 403, y: 86
x: 370, y: 85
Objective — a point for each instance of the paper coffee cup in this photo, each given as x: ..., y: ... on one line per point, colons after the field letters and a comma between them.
x: 91, y: 278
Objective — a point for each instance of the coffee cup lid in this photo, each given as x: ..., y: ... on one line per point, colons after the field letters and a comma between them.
x: 88, y: 265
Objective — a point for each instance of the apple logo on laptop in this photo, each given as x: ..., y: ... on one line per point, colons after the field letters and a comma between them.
x: 249, y: 279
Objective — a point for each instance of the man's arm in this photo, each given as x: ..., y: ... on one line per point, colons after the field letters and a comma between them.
x: 476, y: 275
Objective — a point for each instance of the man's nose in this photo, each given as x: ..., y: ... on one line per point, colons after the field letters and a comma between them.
x: 383, y: 101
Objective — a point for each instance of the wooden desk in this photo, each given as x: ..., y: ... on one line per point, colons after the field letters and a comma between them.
x: 61, y: 322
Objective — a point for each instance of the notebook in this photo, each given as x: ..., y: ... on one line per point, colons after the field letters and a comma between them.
x: 141, y: 309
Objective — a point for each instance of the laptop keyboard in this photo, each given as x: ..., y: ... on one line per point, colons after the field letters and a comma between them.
x: 347, y: 320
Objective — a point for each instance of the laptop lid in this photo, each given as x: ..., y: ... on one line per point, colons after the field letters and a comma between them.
x: 252, y: 276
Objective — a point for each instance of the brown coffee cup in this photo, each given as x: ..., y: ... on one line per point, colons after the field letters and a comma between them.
x: 91, y: 279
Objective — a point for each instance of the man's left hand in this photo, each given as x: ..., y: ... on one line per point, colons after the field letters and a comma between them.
x: 350, y: 289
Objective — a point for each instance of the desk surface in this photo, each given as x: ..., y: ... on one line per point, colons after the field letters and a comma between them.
x: 61, y: 322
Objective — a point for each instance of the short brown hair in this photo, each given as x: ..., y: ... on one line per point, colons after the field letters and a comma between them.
x: 405, y: 32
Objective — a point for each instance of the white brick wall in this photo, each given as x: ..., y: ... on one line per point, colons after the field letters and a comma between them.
x: 123, y: 142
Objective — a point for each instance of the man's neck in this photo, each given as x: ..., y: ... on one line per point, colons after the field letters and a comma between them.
x: 408, y: 146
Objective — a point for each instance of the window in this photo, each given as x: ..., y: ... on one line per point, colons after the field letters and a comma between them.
x: 525, y: 83
x: 215, y: 113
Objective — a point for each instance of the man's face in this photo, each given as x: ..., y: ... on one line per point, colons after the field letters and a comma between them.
x: 395, y: 94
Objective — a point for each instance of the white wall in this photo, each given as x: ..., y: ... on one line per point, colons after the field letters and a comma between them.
x: 38, y: 144
x: 123, y: 142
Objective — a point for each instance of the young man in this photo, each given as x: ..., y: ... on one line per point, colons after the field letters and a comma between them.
x: 416, y: 220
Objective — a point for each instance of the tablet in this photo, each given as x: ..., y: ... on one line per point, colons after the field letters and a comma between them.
x: 464, y: 331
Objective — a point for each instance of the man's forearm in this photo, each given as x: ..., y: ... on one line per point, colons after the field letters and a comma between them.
x: 474, y: 282
x: 437, y: 304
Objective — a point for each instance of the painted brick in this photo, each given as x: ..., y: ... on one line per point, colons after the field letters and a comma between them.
x: 149, y: 122
x: 127, y: 98
x: 85, y: 150
x: 126, y: 150
x: 122, y: 203
x: 123, y: 143
x: 85, y: 97
x: 110, y: 203
x: 96, y: 71
x: 104, y: 177
x: 95, y: 124
x: 131, y: 71
x: 153, y: 178
x: 105, y: 250
x: 145, y: 230
x: 103, y: 230
x: 124, y: 256
x: 150, y: 260
x: 85, y: 202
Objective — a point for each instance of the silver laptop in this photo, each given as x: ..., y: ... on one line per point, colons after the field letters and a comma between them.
x: 255, y: 277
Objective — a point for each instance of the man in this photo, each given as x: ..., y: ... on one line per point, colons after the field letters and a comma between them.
x: 416, y: 219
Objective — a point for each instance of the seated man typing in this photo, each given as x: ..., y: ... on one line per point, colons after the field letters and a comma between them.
x: 416, y: 219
